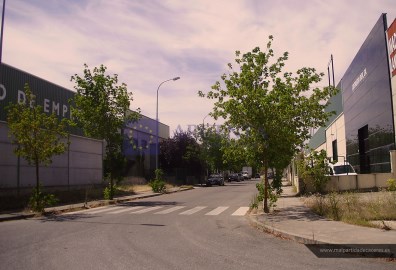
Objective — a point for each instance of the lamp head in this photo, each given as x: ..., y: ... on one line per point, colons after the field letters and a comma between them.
x: 176, y: 78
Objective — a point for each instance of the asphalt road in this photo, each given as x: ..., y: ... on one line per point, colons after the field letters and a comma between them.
x: 204, y: 228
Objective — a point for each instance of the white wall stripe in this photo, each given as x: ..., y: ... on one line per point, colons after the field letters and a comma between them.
x: 241, y: 211
x: 193, y: 210
x: 170, y: 210
x: 217, y: 211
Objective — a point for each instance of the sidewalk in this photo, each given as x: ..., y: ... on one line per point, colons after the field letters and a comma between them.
x: 295, y: 221
x: 90, y: 204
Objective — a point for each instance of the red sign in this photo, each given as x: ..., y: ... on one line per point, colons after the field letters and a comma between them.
x: 392, y: 46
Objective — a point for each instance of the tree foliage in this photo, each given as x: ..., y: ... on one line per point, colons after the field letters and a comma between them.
x: 37, y: 136
x: 314, y: 169
x: 158, y: 184
x: 101, y: 109
x: 213, y: 143
x: 271, y: 110
x: 235, y: 154
x: 180, y: 151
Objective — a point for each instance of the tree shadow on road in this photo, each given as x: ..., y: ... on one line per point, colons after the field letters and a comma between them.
x: 86, y: 215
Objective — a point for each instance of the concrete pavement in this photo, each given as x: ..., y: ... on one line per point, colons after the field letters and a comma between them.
x: 293, y: 220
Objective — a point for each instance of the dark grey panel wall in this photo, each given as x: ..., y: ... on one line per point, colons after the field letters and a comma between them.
x: 367, y: 102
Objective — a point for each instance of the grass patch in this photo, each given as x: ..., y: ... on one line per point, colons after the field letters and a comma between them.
x: 355, y: 208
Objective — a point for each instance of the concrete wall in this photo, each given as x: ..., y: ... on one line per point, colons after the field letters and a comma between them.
x: 321, y: 147
x: 80, y: 165
x: 336, y: 131
x: 348, y: 182
x: 358, y: 182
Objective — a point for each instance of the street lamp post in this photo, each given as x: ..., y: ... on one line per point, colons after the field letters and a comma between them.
x: 157, y: 124
x: 203, y: 142
x: 2, y: 30
x: 203, y: 121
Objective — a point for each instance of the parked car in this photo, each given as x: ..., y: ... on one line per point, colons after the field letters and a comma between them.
x: 245, y: 175
x: 257, y: 175
x: 215, y: 179
x: 235, y: 177
x: 341, y: 168
x: 247, y: 170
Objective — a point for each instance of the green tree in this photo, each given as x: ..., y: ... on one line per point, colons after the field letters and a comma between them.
x: 180, y: 152
x: 235, y: 154
x: 38, y: 137
x: 101, y: 109
x: 314, y: 169
x: 213, y: 143
x: 271, y: 110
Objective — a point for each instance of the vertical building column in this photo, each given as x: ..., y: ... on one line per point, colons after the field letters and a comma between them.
x: 393, y: 162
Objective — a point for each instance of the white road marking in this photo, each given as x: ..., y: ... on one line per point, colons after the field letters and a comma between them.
x: 108, y: 208
x: 147, y: 209
x: 127, y: 208
x: 193, y: 210
x: 241, y: 211
x: 217, y: 211
x: 84, y: 211
x: 170, y: 210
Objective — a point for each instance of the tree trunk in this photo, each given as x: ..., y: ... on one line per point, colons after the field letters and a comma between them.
x: 112, y: 160
x: 111, y: 187
x: 37, y: 184
x: 265, y: 201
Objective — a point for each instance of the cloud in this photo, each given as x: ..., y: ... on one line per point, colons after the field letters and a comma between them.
x: 147, y: 42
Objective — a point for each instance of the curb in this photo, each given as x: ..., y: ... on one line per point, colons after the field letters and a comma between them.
x: 388, y: 256
x: 15, y: 216
x: 280, y: 233
x: 93, y: 204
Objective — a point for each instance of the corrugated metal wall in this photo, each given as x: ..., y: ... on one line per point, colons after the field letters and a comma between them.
x: 53, y: 98
x: 80, y: 165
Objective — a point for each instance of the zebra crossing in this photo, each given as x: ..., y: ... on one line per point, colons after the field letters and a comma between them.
x: 164, y: 210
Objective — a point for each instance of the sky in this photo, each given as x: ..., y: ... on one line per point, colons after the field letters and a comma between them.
x: 148, y: 42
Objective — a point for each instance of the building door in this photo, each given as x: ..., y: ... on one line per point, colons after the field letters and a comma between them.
x: 363, y: 149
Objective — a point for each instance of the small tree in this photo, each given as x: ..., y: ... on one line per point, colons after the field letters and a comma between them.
x: 158, y: 185
x: 314, y: 169
x: 38, y: 137
x: 271, y: 110
x: 101, y: 109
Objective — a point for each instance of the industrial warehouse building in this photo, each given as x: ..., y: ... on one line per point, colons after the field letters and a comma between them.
x: 362, y: 131
x: 82, y: 163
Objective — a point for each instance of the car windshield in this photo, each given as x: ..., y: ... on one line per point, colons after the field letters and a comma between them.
x: 341, y: 169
